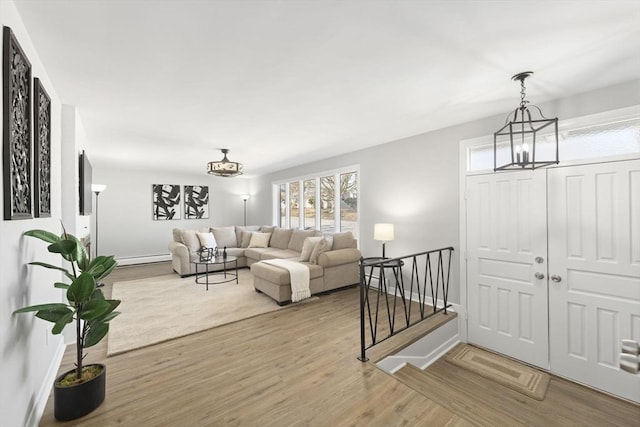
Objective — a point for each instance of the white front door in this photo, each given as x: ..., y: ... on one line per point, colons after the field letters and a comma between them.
x: 506, y: 247
x: 594, y: 263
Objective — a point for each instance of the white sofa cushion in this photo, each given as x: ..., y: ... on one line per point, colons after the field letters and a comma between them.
x: 308, y: 246
x: 207, y: 240
x: 321, y: 247
x: 259, y: 240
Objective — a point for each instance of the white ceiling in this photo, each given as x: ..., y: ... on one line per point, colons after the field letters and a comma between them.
x: 166, y: 83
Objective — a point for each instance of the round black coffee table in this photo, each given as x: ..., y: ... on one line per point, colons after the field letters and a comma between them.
x: 229, y: 271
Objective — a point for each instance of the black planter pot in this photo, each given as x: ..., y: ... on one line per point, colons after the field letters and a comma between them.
x: 76, y: 401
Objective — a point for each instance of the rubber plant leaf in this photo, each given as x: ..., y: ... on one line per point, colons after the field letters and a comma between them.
x: 94, y: 309
x: 62, y: 322
x: 81, y: 289
x: 97, y: 331
x: 54, y: 316
x: 47, y: 236
x: 53, y: 267
x: 56, y: 306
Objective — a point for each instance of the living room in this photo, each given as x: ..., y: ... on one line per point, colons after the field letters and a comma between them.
x: 410, y: 178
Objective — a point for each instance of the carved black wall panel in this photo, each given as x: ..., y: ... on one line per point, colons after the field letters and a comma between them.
x: 16, y: 91
x: 196, y: 202
x: 41, y: 150
x: 166, y: 201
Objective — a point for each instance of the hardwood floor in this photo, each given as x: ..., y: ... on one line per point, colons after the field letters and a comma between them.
x: 292, y: 367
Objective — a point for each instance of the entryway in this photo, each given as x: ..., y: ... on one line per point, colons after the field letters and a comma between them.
x: 553, y: 269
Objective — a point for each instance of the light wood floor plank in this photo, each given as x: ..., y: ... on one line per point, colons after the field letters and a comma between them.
x: 294, y: 367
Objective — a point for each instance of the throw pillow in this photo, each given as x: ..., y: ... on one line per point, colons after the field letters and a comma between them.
x: 225, y: 236
x: 321, y: 247
x: 308, y: 246
x: 207, y: 240
x: 259, y: 240
x: 246, y: 238
x: 343, y: 240
x: 240, y: 229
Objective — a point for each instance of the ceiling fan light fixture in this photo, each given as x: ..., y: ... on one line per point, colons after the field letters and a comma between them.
x: 225, y: 167
x: 521, y: 134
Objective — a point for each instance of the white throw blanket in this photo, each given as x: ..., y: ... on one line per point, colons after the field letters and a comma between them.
x: 299, y: 274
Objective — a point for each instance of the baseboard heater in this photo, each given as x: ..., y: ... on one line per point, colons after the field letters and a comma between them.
x: 144, y: 259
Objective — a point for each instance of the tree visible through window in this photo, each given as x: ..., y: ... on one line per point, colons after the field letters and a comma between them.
x: 327, y: 203
x: 349, y: 202
x: 309, y: 203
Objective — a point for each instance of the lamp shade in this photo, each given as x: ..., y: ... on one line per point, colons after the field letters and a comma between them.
x: 383, y: 232
x: 98, y: 188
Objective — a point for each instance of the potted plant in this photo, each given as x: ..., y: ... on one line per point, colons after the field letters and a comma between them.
x: 80, y: 390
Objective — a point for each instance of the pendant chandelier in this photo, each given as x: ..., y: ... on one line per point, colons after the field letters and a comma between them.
x: 521, y: 136
x: 225, y: 167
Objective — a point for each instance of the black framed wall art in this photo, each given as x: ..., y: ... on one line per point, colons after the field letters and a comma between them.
x: 16, y: 138
x: 166, y: 201
x: 196, y: 202
x: 41, y: 150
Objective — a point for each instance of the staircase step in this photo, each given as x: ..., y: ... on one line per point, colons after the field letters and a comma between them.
x: 409, y: 336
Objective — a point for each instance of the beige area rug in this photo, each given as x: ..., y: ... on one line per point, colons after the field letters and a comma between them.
x: 517, y: 376
x: 161, y: 308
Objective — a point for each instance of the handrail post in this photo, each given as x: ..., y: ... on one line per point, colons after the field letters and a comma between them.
x: 363, y: 356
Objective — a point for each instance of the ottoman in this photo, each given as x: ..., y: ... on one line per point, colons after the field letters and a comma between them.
x: 276, y: 282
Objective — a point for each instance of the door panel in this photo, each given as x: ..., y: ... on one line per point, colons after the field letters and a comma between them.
x: 506, y: 224
x: 594, y: 223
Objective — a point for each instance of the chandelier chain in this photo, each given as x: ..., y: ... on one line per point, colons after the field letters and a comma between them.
x: 523, y: 102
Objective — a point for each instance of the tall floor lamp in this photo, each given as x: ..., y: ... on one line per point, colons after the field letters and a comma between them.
x: 245, y: 197
x: 97, y: 188
x: 384, y: 233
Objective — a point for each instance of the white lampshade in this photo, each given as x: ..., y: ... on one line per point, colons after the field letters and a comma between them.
x: 245, y: 197
x: 383, y: 232
x: 98, y: 188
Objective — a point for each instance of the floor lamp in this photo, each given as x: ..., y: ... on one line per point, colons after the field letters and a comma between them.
x: 245, y: 197
x: 97, y: 188
x: 384, y: 233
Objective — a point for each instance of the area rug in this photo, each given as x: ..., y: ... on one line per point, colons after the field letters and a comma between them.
x: 509, y: 373
x: 161, y: 308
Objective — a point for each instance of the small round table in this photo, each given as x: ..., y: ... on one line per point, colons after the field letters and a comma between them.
x: 229, y: 276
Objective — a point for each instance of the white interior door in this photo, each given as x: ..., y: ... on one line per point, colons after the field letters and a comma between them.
x: 594, y: 255
x: 506, y: 232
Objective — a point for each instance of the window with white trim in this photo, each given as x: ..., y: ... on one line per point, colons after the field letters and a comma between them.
x: 326, y: 201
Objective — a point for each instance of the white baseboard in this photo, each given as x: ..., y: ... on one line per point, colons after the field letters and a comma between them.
x: 35, y: 415
x: 143, y: 259
x: 426, y: 350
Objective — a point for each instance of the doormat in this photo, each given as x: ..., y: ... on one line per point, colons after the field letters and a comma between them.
x: 517, y: 376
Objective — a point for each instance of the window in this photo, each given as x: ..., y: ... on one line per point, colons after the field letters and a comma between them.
x: 309, y: 201
x: 582, y: 140
x: 327, y: 202
x: 294, y: 209
x: 348, y: 201
x: 283, y: 206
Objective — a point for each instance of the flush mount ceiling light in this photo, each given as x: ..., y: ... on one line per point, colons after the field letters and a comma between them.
x: 225, y: 167
x: 520, y: 144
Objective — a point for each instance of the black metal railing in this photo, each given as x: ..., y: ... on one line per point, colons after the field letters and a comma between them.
x: 389, y: 305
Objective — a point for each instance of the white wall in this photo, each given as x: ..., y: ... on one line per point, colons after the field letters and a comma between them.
x: 29, y: 354
x: 126, y: 226
x: 414, y: 182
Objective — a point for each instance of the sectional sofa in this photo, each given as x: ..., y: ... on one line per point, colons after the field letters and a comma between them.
x: 332, y: 259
